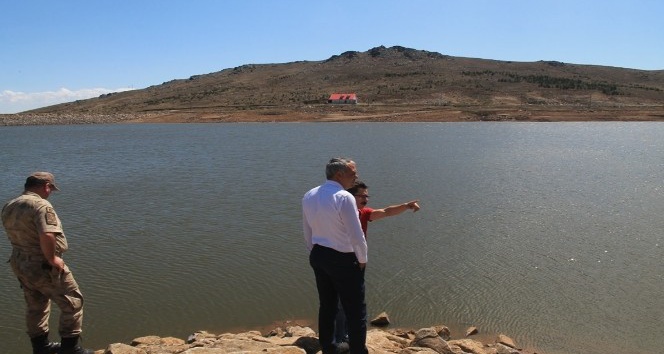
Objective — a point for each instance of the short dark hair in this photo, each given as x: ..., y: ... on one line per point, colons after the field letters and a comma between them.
x: 358, y: 185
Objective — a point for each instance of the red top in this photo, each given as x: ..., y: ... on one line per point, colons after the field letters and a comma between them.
x: 365, y: 214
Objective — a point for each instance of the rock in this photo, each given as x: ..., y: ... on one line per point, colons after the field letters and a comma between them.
x: 425, y: 333
x: 278, y: 332
x: 503, y: 339
x: 166, y: 345
x: 147, y: 340
x: 171, y: 341
x: 201, y: 336
x: 303, y: 340
x: 119, y: 348
x: 471, y: 330
x: 242, y: 344
x: 310, y: 345
x: 286, y: 350
x: 381, y: 320
x: 443, y: 332
x: 205, y: 351
x: 417, y: 350
x: 282, y: 341
x: 429, y: 338
x: 379, y: 341
x: 402, y: 341
x: 437, y: 344
x: 469, y: 346
x: 403, y: 334
x: 503, y: 349
x: 297, y: 331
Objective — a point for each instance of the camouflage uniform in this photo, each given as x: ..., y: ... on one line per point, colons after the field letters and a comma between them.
x: 24, y: 219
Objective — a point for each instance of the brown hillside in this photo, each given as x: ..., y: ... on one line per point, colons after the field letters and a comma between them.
x: 392, y: 84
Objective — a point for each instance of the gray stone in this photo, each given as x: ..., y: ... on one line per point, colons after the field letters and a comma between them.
x: 471, y: 330
x: 381, y: 320
x: 429, y: 338
x: 503, y: 339
x: 310, y: 345
x: 503, y: 349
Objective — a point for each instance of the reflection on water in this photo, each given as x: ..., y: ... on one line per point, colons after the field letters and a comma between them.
x: 549, y: 232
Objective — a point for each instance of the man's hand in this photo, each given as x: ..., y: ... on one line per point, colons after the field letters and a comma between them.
x: 48, y: 245
x: 412, y: 205
x: 58, y: 263
x: 362, y: 265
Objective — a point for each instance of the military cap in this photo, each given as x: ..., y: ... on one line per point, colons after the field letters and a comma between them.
x: 44, y: 177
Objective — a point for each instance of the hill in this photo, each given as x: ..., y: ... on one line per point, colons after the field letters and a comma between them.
x: 392, y: 84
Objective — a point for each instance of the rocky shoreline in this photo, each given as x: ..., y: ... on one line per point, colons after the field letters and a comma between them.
x: 296, y: 339
x: 23, y: 119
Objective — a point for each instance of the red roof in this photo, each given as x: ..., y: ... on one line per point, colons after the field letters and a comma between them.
x: 343, y: 96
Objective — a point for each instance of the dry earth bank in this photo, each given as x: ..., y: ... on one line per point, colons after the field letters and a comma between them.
x: 357, y: 113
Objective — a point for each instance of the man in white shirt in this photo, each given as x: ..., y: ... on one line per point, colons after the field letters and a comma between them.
x: 338, y: 254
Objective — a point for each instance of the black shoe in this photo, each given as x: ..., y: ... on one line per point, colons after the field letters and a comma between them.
x: 342, y: 347
x: 41, y: 345
x: 70, y: 346
x: 51, y: 348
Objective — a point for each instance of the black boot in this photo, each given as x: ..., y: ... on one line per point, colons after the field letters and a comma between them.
x: 41, y: 345
x: 70, y: 346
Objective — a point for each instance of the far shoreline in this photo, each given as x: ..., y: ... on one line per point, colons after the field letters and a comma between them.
x: 348, y: 113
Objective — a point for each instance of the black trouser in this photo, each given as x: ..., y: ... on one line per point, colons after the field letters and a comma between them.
x: 339, y: 278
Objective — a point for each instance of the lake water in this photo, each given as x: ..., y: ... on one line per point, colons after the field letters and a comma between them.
x: 548, y: 232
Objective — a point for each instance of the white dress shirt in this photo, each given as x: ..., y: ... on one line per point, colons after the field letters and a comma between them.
x: 330, y: 219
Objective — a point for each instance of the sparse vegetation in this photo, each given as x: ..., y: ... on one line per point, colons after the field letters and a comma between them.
x: 546, y: 81
x: 395, y: 82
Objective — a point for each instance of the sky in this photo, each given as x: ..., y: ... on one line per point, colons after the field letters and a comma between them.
x: 61, y: 51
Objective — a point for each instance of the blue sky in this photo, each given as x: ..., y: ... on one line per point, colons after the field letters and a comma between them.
x: 60, y: 51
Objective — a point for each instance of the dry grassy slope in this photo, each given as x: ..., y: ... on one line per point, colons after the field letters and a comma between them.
x: 388, y: 76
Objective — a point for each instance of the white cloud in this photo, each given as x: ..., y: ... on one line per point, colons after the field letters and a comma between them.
x: 14, y: 102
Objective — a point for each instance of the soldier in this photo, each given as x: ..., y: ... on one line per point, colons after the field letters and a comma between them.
x: 38, y: 242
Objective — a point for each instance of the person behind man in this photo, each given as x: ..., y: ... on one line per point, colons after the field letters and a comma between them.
x: 361, y: 193
x: 338, y: 255
x: 38, y: 242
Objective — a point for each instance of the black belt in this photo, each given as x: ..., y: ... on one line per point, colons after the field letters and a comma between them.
x: 325, y: 248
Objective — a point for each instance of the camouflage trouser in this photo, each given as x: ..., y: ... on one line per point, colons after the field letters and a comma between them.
x: 41, y: 284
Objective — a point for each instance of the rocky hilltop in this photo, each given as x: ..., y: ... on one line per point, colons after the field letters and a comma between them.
x: 392, y: 84
x: 303, y: 340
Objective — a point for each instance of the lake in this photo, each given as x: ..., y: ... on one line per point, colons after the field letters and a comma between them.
x: 550, y: 233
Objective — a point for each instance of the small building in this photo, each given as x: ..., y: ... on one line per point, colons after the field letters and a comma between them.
x: 343, y: 98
